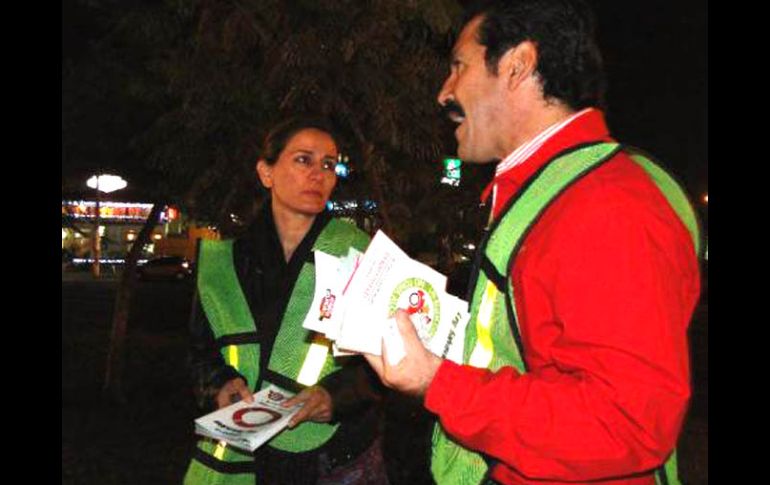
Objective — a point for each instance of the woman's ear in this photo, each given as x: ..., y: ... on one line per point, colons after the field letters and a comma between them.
x: 265, y: 173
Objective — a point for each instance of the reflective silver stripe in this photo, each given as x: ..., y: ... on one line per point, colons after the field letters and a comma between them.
x: 314, y: 362
x: 484, y: 349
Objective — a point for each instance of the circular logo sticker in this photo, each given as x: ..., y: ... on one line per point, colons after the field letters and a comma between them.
x: 420, y: 301
x: 256, y: 417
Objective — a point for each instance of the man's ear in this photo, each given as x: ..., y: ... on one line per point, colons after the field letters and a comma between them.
x: 519, y: 63
x: 265, y: 173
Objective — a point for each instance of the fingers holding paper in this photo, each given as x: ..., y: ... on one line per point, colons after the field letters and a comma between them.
x: 232, y: 391
x: 405, y: 364
x: 317, y: 406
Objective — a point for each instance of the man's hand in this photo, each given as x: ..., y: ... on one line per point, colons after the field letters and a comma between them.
x: 414, y: 372
x: 317, y: 407
x: 233, y: 391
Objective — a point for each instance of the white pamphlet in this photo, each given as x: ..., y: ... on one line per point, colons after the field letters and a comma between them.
x: 449, y: 338
x: 248, y: 426
x: 388, y: 279
x: 347, y: 267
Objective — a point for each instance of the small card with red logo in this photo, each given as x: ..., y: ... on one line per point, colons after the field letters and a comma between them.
x: 249, y: 426
x: 326, y: 300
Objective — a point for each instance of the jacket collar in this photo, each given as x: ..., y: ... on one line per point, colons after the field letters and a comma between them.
x: 590, y: 126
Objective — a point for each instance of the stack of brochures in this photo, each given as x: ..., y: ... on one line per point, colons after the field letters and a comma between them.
x: 248, y: 426
x: 357, y: 295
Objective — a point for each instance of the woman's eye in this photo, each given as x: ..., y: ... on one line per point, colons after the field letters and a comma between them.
x: 329, y: 164
x: 303, y: 159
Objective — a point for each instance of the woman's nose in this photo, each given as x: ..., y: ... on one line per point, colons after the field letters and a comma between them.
x: 316, y: 171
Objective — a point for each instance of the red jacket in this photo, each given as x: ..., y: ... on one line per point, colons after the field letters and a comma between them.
x: 604, y: 285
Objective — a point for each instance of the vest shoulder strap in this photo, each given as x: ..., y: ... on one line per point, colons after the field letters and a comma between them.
x: 220, y: 292
x: 338, y: 236
x: 673, y: 192
x: 556, y: 177
x: 524, y: 210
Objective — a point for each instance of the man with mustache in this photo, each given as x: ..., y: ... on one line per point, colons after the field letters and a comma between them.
x: 576, y: 360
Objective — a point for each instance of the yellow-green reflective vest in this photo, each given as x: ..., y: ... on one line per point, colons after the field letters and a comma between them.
x: 298, y: 354
x: 493, y: 338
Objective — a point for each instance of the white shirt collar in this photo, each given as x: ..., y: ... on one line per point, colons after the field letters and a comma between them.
x: 525, y: 151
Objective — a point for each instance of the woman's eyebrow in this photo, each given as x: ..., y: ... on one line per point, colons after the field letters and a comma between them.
x: 311, y: 152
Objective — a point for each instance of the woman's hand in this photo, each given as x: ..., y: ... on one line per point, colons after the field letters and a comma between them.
x: 233, y: 391
x: 318, y: 406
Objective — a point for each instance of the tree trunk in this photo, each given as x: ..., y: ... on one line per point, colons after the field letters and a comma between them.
x: 375, y: 178
x: 113, y: 378
x: 96, y: 243
x: 372, y: 165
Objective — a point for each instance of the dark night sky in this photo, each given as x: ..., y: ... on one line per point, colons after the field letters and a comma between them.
x: 655, y: 56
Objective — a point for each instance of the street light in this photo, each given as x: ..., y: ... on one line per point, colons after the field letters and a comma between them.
x: 107, y: 183
x: 102, y: 183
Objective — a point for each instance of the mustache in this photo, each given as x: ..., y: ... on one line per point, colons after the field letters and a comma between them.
x: 452, y: 107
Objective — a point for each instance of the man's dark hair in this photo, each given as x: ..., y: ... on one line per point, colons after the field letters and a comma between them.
x: 279, y: 136
x: 569, y: 63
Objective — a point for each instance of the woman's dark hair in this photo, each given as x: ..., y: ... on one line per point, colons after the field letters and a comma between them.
x: 569, y: 62
x: 279, y: 136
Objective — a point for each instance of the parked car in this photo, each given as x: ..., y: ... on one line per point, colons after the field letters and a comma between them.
x: 166, y: 268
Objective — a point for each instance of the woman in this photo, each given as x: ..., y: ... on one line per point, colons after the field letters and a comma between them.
x: 267, y: 277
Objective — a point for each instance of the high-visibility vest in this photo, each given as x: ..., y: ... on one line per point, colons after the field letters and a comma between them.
x: 296, y: 354
x: 493, y: 338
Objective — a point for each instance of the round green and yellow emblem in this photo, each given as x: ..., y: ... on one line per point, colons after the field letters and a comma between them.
x: 419, y: 299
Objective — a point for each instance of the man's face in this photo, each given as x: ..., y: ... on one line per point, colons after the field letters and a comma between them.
x: 474, y: 97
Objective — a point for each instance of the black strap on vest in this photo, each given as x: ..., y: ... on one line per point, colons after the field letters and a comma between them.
x: 237, y: 339
x: 280, y: 380
x: 501, y: 284
x: 493, y: 275
x: 220, y: 466
x: 661, y: 473
x: 477, y: 259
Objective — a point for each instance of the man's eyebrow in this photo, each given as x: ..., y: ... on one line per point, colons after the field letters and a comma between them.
x: 456, y: 57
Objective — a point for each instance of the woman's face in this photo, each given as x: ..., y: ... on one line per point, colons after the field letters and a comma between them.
x: 303, y: 177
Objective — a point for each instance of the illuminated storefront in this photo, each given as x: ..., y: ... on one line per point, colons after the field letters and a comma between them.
x: 119, y: 226
x: 112, y: 212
